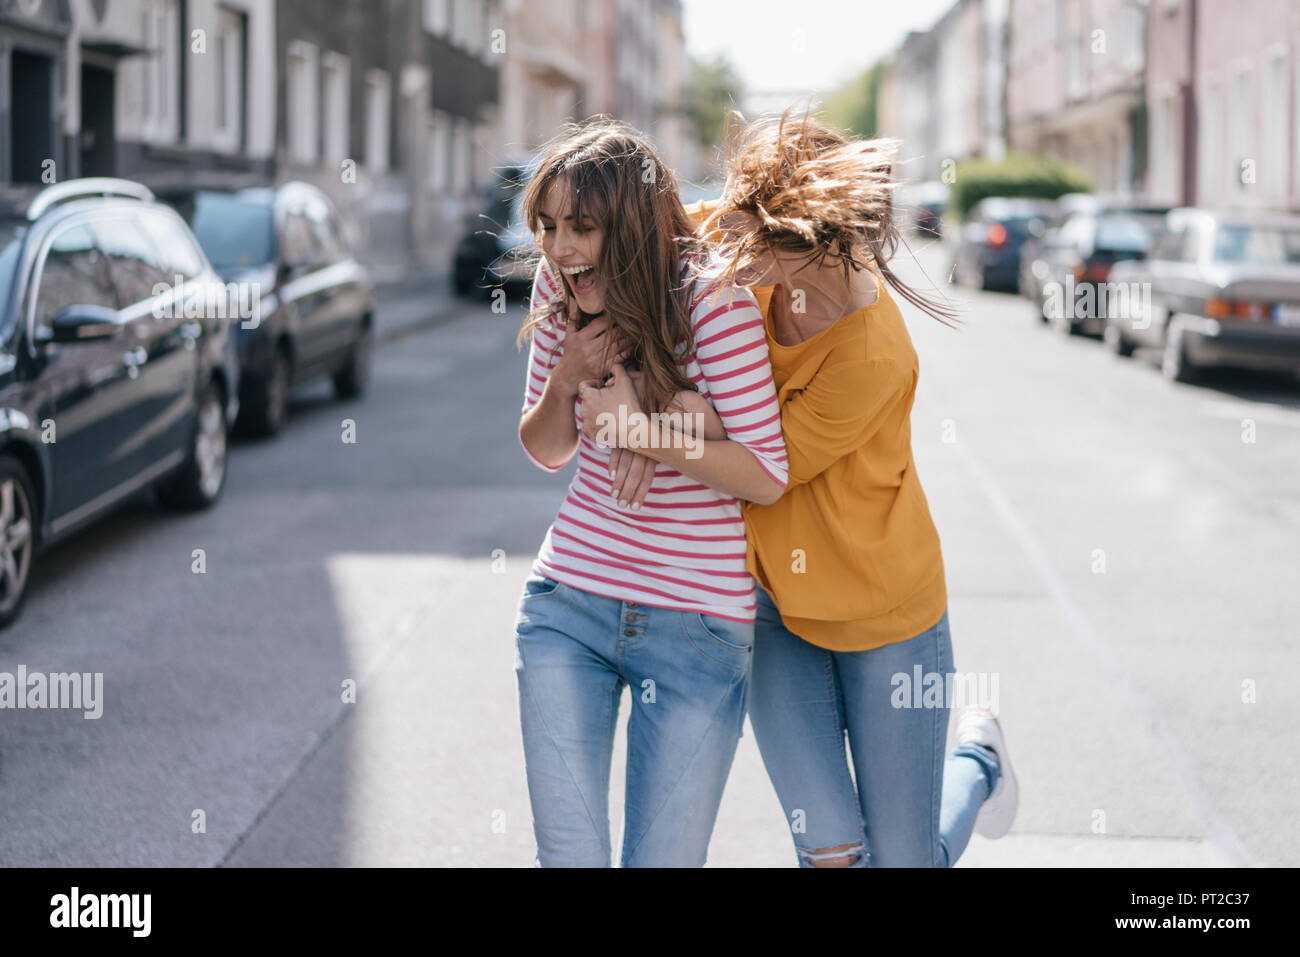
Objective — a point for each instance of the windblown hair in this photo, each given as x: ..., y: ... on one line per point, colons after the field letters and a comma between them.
x: 616, y: 181
x: 812, y: 191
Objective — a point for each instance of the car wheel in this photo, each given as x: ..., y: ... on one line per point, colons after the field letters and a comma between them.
x: 268, y: 407
x: 1174, y: 362
x: 17, y: 537
x: 200, y: 480
x: 1116, y: 341
x: 350, y: 381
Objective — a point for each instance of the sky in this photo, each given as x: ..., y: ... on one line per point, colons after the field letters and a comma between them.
x: 830, y: 42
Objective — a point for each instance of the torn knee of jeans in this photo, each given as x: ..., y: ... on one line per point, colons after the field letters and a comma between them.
x: 842, y: 855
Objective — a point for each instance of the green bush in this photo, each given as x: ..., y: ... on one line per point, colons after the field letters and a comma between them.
x: 1019, y: 174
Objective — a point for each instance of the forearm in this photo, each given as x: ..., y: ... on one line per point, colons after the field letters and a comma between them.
x: 724, y: 465
x: 548, y: 430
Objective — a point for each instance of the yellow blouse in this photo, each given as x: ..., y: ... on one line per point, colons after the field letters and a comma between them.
x: 849, y: 553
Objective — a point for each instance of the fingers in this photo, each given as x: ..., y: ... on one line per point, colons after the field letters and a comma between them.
x: 620, y: 463
x: 631, y: 477
x: 641, y: 477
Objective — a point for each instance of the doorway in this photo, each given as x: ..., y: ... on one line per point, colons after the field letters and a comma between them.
x: 31, y: 115
x: 96, y: 140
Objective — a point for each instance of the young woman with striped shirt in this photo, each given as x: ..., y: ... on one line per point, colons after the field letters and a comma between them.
x: 626, y: 303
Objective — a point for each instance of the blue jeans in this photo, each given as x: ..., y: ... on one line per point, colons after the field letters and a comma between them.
x: 689, y: 675
x: 910, y: 807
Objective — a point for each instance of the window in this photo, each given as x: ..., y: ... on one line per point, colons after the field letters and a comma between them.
x: 230, y: 79
x: 475, y: 28
x: 325, y: 231
x: 1295, y: 119
x: 177, y: 253
x: 298, y: 246
x: 378, y: 113
x: 1274, y: 166
x: 1135, y: 35
x: 461, y: 27
x: 1241, y: 113
x: 74, y: 274
x: 161, y: 89
x: 303, y: 106
x: 437, y: 16
x: 336, y: 72
x: 1162, y: 148
x: 1211, y: 121
x: 133, y: 261
x: 1078, y: 54
x: 1258, y: 245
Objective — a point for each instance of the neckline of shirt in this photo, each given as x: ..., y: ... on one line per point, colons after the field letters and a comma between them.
x: 841, y: 322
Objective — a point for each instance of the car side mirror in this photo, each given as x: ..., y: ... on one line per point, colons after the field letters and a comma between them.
x: 84, y: 323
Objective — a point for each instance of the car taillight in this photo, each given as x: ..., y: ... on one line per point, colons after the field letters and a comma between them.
x: 997, y: 234
x: 1240, y: 310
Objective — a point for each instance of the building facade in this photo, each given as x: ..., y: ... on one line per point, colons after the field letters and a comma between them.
x: 941, y: 92
x: 1223, y: 95
x: 620, y: 58
x: 153, y: 90
x: 1075, y: 86
x: 392, y: 108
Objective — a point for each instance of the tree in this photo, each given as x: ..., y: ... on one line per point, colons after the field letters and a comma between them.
x: 715, y: 89
x: 854, y: 107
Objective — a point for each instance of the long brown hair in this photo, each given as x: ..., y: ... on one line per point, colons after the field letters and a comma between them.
x: 811, y: 190
x: 615, y: 179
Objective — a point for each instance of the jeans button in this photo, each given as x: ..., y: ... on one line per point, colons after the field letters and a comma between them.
x: 631, y: 604
x: 630, y: 633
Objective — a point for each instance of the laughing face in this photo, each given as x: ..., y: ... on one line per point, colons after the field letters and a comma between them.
x: 573, y: 247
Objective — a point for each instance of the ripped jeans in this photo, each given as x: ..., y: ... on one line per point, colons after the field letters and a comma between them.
x: 689, y: 675
x: 910, y: 806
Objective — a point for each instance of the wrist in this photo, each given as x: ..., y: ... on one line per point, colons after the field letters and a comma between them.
x: 646, y: 437
x: 561, y: 385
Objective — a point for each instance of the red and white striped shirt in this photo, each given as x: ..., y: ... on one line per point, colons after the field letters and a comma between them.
x: 685, y: 547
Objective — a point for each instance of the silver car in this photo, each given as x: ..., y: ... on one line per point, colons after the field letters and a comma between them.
x: 1217, y: 289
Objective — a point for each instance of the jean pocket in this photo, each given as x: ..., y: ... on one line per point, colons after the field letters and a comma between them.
x: 538, y: 586
x: 729, y: 643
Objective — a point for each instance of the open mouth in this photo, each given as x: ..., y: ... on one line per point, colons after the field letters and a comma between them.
x: 581, y: 278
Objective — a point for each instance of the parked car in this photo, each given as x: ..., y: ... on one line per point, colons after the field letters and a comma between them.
x: 1037, y: 252
x: 1073, y: 262
x: 1224, y: 290
x: 988, y: 246
x: 285, y: 250
x: 113, y: 375
x: 923, y: 204
x: 497, y: 248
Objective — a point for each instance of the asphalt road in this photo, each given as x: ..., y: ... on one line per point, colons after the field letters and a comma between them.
x: 1119, y: 560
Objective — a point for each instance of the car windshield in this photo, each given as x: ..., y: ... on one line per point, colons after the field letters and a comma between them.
x: 1122, y: 234
x: 1019, y: 226
x: 11, y: 246
x: 1259, y: 245
x: 233, y: 231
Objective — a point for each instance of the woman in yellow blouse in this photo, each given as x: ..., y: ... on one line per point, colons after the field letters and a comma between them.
x: 849, y: 555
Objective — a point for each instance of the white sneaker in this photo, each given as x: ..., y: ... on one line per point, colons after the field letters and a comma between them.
x: 980, y: 726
